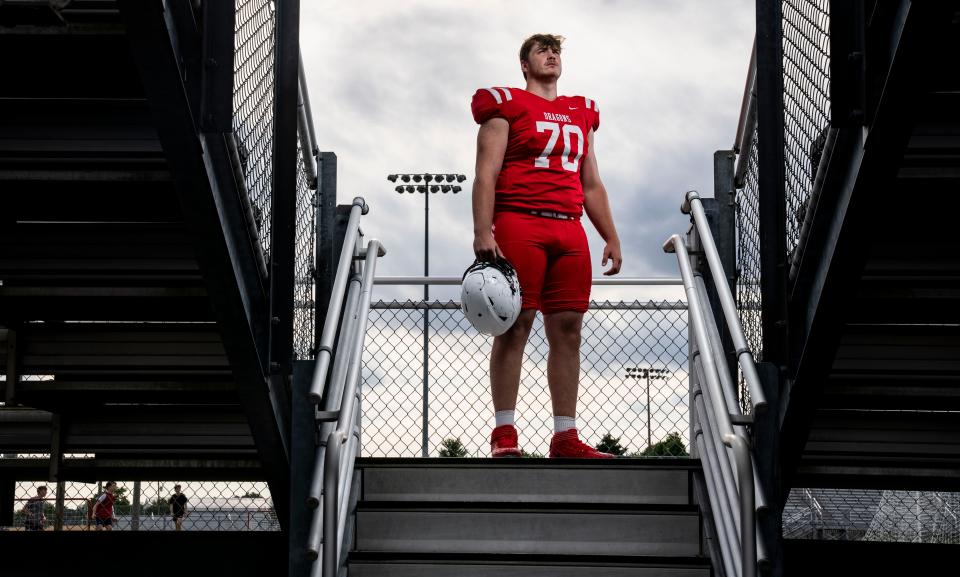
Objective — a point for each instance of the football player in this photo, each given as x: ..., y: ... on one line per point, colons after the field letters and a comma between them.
x: 536, y: 175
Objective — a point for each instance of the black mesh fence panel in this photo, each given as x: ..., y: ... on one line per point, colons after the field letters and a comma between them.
x: 305, y: 266
x: 253, y: 99
x: 749, y: 297
x: 806, y: 102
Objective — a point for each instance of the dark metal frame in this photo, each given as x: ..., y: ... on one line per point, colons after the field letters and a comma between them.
x: 873, y: 132
x: 327, y: 247
x: 284, y: 213
x: 198, y: 155
x: 772, y: 210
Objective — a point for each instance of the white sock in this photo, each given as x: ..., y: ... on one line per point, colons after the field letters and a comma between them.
x: 504, y: 417
x: 561, y: 424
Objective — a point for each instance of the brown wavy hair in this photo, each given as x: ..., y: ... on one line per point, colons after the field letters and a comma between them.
x: 546, y: 40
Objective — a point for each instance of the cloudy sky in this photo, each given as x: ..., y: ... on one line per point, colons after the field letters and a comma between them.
x: 391, y: 82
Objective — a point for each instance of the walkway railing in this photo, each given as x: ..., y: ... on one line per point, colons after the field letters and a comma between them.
x: 730, y: 475
x: 335, y: 390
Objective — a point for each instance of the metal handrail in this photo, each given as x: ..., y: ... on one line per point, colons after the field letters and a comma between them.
x: 710, y: 403
x: 335, y: 482
x: 330, y: 326
x: 350, y: 299
x: 747, y: 121
x: 305, y: 130
x: 693, y: 205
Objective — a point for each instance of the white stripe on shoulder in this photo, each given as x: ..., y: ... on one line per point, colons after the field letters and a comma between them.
x: 596, y: 107
x: 496, y: 95
x: 588, y: 102
x: 506, y: 92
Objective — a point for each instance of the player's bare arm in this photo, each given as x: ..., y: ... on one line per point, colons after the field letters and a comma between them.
x: 491, y: 146
x: 597, y: 206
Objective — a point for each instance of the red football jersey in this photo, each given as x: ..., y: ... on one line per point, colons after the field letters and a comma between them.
x: 546, y: 146
x: 105, y: 510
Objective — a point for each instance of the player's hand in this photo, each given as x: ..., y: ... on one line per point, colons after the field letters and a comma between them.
x: 611, y: 252
x: 485, y: 247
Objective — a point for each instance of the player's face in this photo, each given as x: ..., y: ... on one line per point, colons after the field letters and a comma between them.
x: 543, y: 62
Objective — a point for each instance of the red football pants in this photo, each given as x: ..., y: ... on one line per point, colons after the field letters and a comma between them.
x: 551, y: 257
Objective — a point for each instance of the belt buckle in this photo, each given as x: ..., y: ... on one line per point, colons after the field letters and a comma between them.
x: 551, y: 214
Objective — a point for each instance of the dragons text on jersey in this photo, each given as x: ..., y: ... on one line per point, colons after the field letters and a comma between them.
x: 547, y: 141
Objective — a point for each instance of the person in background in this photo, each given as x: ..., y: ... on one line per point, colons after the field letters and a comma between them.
x: 33, y: 517
x: 178, y: 507
x: 103, y: 508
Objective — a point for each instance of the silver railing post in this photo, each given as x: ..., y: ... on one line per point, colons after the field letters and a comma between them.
x: 718, y: 409
x: 692, y: 204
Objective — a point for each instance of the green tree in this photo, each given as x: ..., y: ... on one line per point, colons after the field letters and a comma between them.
x: 121, y: 506
x: 252, y: 495
x: 672, y: 446
x: 452, y: 448
x: 609, y: 444
x: 526, y: 455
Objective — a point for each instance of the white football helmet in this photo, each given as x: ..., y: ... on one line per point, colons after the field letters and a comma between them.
x: 490, y: 296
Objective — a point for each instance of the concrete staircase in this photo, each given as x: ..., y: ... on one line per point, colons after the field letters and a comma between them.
x: 531, y: 517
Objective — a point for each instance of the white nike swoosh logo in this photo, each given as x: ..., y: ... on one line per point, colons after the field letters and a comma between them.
x: 574, y: 107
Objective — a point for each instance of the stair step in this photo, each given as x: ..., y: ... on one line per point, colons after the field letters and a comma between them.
x: 79, y: 251
x: 114, y: 350
x: 488, y: 480
x: 458, y: 565
x: 133, y: 429
x: 541, y: 528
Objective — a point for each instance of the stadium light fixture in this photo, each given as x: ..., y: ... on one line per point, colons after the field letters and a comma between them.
x: 427, y: 188
x: 647, y: 373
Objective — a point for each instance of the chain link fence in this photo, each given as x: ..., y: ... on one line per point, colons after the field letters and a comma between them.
x: 633, y: 382
x: 749, y: 296
x: 806, y: 104
x: 872, y: 515
x: 305, y: 267
x: 146, y: 506
x: 253, y: 105
x: 253, y: 115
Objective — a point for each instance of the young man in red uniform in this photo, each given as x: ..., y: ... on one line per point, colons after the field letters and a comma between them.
x: 536, y: 174
x: 103, y: 509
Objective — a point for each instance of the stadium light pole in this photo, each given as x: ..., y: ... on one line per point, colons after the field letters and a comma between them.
x: 647, y: 373
x: 444, y: 183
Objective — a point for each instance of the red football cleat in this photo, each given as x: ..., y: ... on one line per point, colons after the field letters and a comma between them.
x: 567, y: 445
x: 503, y: 442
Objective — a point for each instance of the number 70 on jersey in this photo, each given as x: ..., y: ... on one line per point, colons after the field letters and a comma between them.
x: 555, y: 130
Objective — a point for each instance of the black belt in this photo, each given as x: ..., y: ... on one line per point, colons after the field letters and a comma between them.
x: 551, y: 214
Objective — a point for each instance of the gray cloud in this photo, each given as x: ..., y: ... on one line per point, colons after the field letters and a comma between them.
x: 391, y: 85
